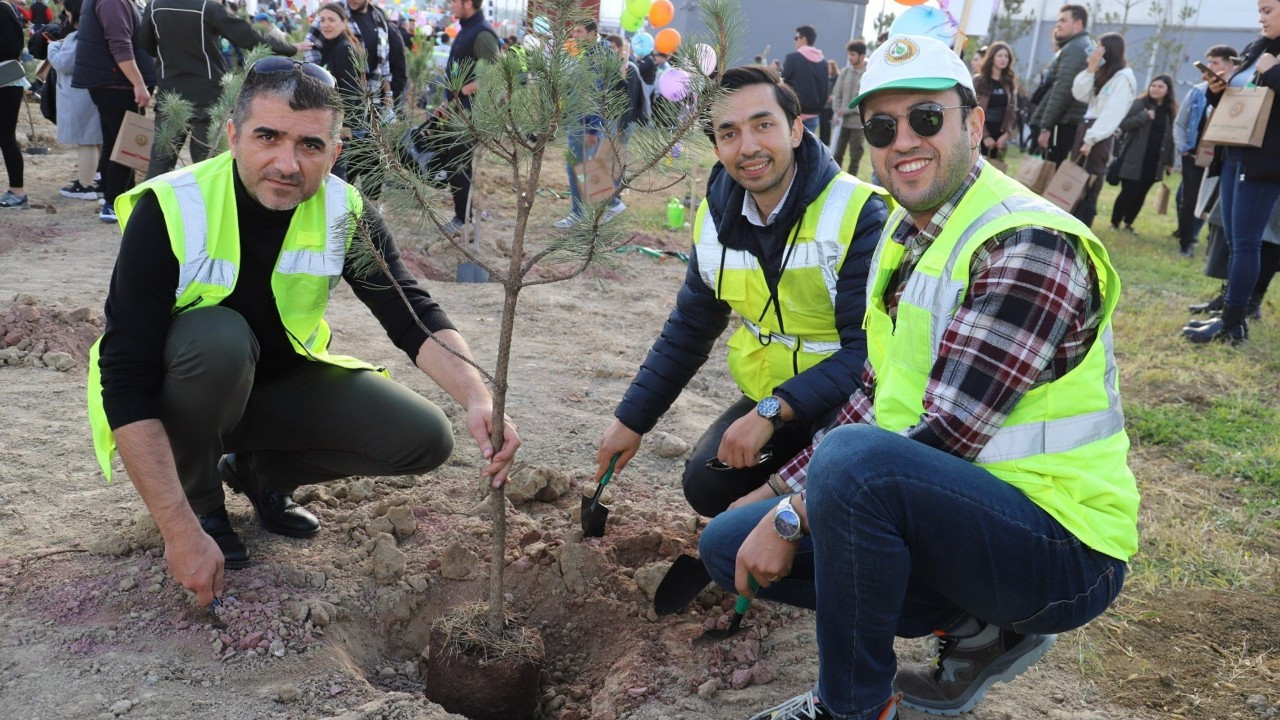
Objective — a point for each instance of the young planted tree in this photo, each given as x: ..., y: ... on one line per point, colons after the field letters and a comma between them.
x: 527, y: 104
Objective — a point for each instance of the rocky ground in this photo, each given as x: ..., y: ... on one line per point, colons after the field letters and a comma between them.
x: 92, y: 627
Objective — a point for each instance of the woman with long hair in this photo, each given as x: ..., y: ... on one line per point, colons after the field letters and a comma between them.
x: 339, y: 56
x: 1109, y: 86
x: 996, y: 86
x: 12, y: 39
x: 1250, y: 182
x: 1147, y: 149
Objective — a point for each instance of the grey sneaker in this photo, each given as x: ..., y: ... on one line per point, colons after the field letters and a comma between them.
x: 566, y: 222
x: 10, y: 200
x: 614, y: 211
x: 453, y: 228
x: 966, y: 667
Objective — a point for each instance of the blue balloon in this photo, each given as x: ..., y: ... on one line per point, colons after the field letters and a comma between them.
x: 924, y: 20
x: 641, y: 44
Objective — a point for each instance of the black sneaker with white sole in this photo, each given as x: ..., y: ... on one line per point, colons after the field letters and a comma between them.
x: 78, y: 191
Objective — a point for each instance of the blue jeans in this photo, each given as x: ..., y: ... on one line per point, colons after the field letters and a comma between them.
x: 811, y: 124
x: 906, y: 539
x: 579, y: 153
x: 1246, y: 208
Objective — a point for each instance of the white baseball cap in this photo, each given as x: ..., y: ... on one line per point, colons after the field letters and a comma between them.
x: 913, y: 62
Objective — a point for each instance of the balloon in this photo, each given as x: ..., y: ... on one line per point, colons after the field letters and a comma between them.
x: 673, y: 84
x: 924, y: 20
x: 631, y: 23
x: 661, y: 12
x: 541, y: 25
x: 452, y: 31
x: 911, y: 2
x: 639, y: 8
x: 667, y: 41
x: 571, y: 47
x: 642, y: 43
x: 706, y: 58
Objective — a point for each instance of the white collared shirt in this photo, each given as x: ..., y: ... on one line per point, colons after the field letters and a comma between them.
x: 751, y: 211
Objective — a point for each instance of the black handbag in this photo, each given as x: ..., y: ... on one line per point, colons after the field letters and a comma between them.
x: 1113, y: 169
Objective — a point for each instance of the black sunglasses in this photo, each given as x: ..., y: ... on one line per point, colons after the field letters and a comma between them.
x: 278, y: 64
x: 925, y: 120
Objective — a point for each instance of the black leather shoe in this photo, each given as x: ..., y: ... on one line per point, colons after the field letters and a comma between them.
x: 277, y: 511
x: 218, y: 526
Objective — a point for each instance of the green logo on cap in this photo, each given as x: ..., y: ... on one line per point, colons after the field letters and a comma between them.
x: 901, y: 51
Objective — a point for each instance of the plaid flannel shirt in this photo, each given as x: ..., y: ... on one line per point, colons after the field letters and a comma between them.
x: 1031, y: 313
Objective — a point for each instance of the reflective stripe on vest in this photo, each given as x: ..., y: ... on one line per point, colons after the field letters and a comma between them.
x: 809, y: 346
x: 327, y: 263
x: 197, y: 267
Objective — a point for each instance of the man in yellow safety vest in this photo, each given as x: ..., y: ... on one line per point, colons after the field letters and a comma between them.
x: 215, y: 339
x: 976, y: 487
x: 783, y: 239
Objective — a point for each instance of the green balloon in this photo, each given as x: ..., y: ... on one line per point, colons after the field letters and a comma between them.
x: 639, y: 8
x: 631, y: 23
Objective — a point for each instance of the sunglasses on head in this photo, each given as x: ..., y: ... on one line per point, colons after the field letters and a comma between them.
x: 925, y: 120
x: 279, y: 64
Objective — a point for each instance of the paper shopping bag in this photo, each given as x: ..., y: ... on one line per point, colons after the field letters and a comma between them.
x: 1162, y: 200
x: 1240, y: 119
x: 1067, y: 186
x: 133, y: 142
x: 1204, y: 154
x: 1207, y: 197
x: 597, y: 174
x: 1035, y: 173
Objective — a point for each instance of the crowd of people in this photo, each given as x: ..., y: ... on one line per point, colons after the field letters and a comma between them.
x: 908, y: 456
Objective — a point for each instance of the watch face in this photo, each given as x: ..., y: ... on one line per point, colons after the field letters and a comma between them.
x: 769, y: 407
x: 787, y: 523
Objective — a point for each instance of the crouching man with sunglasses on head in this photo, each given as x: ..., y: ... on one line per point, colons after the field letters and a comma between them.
x: 977, y: 487
x: 783, y: 239
x: 216, y: 343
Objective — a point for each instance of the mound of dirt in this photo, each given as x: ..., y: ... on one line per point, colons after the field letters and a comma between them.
x: 41, y: 335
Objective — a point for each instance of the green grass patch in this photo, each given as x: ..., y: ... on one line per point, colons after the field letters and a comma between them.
x: 1234, y: 437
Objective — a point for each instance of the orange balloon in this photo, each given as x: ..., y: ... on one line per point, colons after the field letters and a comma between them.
x: 666, y: 41
x: 911, y: 2
x: 661, y: 12
x: 451, y: 31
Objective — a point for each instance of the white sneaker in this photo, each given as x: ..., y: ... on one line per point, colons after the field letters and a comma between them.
x: 801, y: 707
x: 614, y: 211
x: 566, y: 222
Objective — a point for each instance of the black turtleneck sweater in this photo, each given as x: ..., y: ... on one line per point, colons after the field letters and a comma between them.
x: 140, y: 302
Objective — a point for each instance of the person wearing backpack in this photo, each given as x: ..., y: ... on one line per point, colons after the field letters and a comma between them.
x: 78, y: 122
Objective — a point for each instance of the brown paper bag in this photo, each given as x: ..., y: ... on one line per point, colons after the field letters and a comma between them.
x: 1204, y: 154
x: 1067, y: 186
x: 1035, y: 173
x: 133, y: 143
x: 1162, y: 200
x: 998, y: 164
x: 597, y: 174
x: 1240, y: 119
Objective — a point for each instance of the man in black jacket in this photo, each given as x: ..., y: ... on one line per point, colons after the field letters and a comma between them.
x: 783, y: 238
x: 805, y: 70
x: 1059, y: 114
x: 185, y: 38
x: 476, y: 42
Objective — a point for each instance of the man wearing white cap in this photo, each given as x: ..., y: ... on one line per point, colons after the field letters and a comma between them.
x: 977, y: 489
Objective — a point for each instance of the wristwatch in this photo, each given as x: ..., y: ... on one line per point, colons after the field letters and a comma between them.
x: 786, y: 521
x: 770, y: 408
